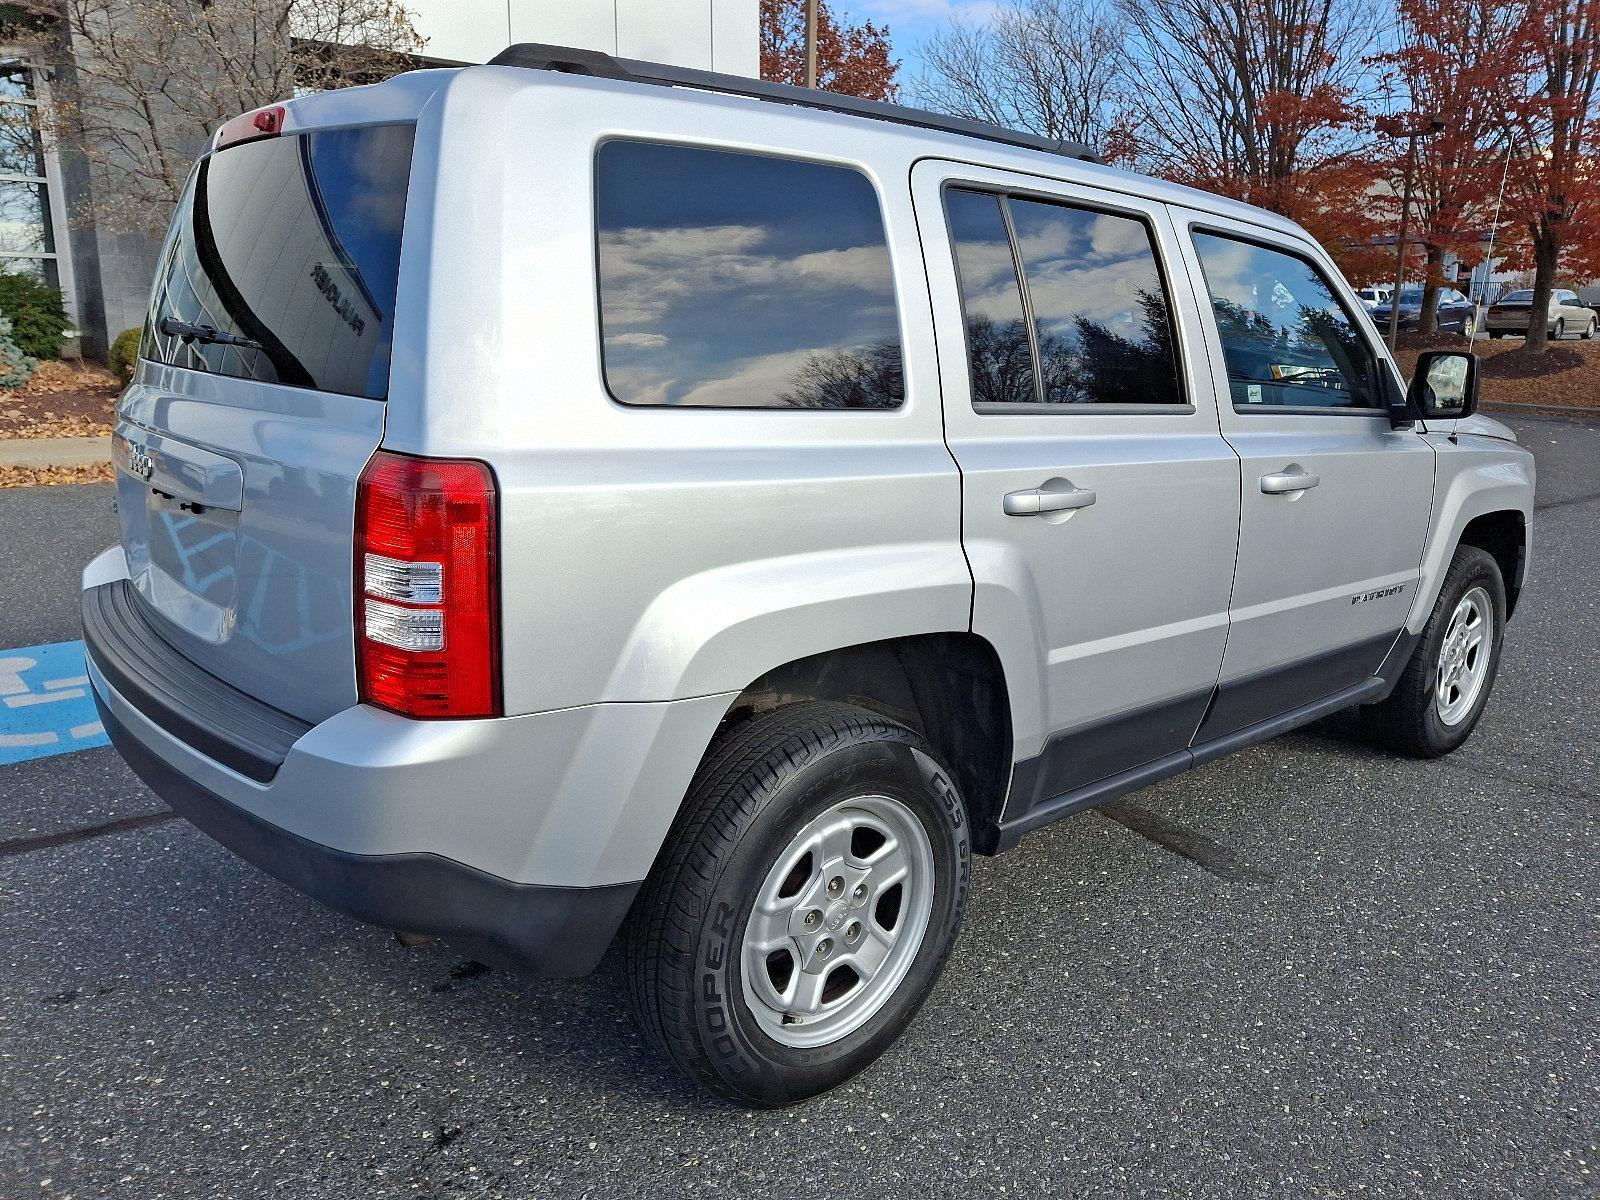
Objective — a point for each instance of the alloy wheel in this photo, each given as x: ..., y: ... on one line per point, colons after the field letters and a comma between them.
x: 837, y: 921
x: 1463, y: 665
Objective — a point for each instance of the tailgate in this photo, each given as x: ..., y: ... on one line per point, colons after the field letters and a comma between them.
x: 259, y: 398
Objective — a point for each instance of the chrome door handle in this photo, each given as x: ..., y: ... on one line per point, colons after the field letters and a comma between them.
x: 1280, y: 482
x: 1036, y: 500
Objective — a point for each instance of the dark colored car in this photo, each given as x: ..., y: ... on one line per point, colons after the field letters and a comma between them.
x: 1456, y: 314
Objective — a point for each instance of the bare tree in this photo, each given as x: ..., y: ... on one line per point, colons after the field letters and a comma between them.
x: 1046, y: 66
x: 142, y: 84
x: 1244, y: 96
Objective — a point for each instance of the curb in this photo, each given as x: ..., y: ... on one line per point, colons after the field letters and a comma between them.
x: 35, y: 453
x: 1564, y: 410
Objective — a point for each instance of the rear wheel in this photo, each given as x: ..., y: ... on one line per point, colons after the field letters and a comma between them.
x: 1561, y: 329
x: 1588, y: 331
x: 1446, y: 684
x: 804, y: 906
x: 1468, y: 326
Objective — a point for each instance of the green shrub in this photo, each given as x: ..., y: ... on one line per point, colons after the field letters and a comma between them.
x: 16, y: 368
x: 37, y: 317
x: 124, y: 354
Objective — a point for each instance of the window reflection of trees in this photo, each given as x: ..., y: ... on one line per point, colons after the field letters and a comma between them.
x: 1320, y: 349
x: 869, y: 377
x: 1088, y: 363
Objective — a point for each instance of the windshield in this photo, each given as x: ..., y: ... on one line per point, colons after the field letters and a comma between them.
x: 1411, y: 295
x: 283, y: 261
x: 1516, y: 297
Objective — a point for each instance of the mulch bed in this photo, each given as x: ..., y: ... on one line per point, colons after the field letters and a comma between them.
x: 61, y: 400
x: 49, y: 476
x: 1566, y: 375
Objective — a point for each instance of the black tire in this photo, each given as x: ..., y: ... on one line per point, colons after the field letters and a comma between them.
x: 1561, y: 329
x: 1588, y: 331
x: 1496, y: 335
x: 753, y: 794
x: 1409, y: 720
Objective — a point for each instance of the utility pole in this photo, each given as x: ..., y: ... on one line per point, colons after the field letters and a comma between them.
x: 811, y: 43
x: 1395, y: 127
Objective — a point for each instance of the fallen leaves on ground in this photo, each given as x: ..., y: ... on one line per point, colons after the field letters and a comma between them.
x: 50, y: 476
x: 1566, y: 375
x: 61, y: 400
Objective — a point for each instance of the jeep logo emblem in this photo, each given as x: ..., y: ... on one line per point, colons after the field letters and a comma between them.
x: 140, y: 463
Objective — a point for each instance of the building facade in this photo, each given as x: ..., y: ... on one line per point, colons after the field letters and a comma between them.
x: 46, y: 197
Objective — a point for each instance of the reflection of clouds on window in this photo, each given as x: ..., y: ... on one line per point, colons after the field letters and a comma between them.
x: 742, y: 280
x: 1102, y: 328
x: 1105, y: 335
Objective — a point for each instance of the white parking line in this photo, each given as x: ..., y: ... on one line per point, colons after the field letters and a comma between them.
x: 28, y: 698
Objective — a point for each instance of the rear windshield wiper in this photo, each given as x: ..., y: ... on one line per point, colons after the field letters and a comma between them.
x: 208, y: 334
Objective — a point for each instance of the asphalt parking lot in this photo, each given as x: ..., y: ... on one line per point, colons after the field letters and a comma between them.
x: 1312, y: 969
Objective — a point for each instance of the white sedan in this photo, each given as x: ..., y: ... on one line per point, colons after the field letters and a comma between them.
x: 1509, y: 314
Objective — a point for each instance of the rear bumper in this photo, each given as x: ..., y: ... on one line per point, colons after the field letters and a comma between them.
x: 523, y: 838
x: 543, y: 930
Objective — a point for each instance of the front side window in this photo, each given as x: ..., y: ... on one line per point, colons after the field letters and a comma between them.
x: 288, y: 249
x: 737, y: 280
x: 1286, y: 338
x: 1101, y: 329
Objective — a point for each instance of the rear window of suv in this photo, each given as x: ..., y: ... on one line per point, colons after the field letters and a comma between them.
x: 283, y: 261
x: 738, y: 280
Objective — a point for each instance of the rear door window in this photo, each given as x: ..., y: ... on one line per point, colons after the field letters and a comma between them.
x: 283, y: 261
x: 1065, y: 306
x: 737, y: 280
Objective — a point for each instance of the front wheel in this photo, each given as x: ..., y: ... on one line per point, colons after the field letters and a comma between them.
x: 1588, y: 331
x: 1446, y: 683
x: 804, y: 905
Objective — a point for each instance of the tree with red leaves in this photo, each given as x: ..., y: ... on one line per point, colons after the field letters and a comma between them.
x: 852, y: 58
x: 1556, y: 183
x: 1470, y: 62
x: 1256, y: 99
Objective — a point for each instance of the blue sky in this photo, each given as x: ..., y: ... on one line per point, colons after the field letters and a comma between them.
x: 912, y: 21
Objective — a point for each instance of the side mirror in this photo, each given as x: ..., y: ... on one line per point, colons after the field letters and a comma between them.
x: 1444, y: 385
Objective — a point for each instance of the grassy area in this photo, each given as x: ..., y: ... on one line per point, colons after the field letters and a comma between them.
x: 1566, y: 375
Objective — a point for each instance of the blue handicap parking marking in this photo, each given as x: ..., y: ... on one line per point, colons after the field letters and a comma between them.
x: 45, y: 705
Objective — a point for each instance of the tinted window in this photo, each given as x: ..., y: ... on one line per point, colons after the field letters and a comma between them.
x: 1099, y: 306
x: 1285, y: 337
x: 292, y: 246
x: 1516, y: 297
x: 741, y: 280
x: 998, y: 353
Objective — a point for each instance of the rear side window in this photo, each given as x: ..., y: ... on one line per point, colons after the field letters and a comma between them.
x: 1286, y: 338
x: 1085, y: 284
x: 283, y: 260
x: 734, y: 280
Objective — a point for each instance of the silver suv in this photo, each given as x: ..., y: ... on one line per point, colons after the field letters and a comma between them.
x: 571, y: 499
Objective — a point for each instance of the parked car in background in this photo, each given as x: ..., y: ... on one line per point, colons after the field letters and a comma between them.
x: 1457, y: 314
x: 1371, y: 297
x: 1568, y: 314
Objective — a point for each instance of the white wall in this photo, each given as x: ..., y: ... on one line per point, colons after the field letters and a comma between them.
x: 714, y: 35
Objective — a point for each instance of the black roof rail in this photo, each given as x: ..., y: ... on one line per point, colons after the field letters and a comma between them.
x: 540, y: 57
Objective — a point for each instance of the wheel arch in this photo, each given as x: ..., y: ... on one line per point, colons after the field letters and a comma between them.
x: 948, y: 687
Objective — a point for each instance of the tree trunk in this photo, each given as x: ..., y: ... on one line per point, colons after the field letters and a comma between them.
x: 1546, y: 253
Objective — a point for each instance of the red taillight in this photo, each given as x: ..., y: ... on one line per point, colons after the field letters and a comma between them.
x: 427, y: 587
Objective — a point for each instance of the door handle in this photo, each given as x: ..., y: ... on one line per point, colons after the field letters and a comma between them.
x: 1280, y: 482
x: 1037, y: 500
